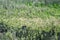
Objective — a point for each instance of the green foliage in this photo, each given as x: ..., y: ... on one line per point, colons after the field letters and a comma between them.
x: 42, y: 19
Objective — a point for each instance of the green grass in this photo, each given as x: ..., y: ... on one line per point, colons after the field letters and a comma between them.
x: 34, y: 15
